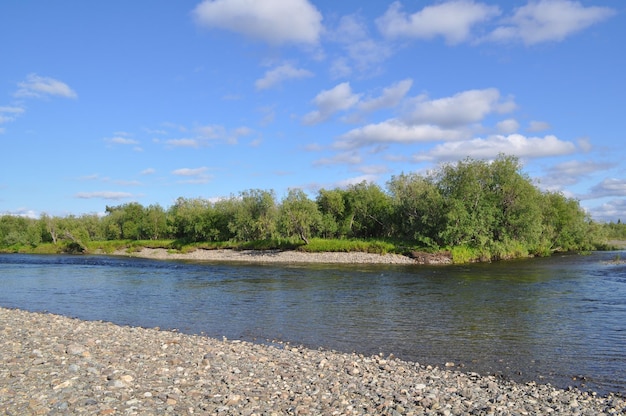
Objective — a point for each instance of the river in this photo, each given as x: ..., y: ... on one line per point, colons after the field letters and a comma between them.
x: 558, y: 320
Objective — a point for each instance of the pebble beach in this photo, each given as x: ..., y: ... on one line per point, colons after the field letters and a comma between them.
x: 55, y: 365
x: 287, y: 256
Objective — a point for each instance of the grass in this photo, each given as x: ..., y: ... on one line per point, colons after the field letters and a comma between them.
x: 460, y: 254
x: 366, y: 246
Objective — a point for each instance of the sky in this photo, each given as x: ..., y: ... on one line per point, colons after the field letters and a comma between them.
x: 110, y: 102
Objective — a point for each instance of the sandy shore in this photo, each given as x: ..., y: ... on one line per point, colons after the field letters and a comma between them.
x: 54, y: 365
x: 289, y: 256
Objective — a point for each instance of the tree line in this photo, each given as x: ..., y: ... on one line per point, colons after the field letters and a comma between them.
x: 490, y: 208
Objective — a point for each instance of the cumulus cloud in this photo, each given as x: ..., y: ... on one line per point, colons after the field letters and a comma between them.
x: 354, y: 181
x: 390, y: 97
x: 571, y: 172
x: 395, y: 131
x: 279, y: 74
x: 361, y: 51
x: 121, y: 140
x: 148, y: 171
x: 535, y: 126
x: 452, y: 20
x: 183, y: 142
x: 273, y: 21
x: 9, y: 113
x: 579, y: 168
x: 514, y: 144
x: 209, y: 135
x: 189, y: 171
x: 453, y: 118
x: 193, y: 175
x: 331, y: 101
x: 507, y: 126
x: 373, y: 169
x: 104, y: 195
x: 607, y: 188
x: 37, y: 86
x: 351, y: 158
x: 463, y: 108
x: 613, y: 210
x: 549, y: 20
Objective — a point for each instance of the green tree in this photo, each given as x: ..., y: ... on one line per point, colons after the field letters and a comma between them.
x: 369, y: 208
x: 187, y: 219
x: 469, y: 206
x: 16, y: 231
x: 566, y: 226
x: 154, y: 225
x: 417, y: 209
x: 298, y: 215
x: 518, y: 202
x: 254, y: 215
x: 332, y: 207
x: 125, y: 222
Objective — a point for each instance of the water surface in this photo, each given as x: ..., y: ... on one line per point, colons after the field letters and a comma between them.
x: 560, y: 320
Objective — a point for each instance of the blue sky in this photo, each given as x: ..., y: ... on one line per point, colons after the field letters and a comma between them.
x: 104, y: 103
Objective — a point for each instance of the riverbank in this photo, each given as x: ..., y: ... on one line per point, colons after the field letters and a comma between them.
x: 58, y: 365
x: 288, y: 256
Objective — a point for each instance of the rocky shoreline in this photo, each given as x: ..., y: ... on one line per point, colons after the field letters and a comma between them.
x: 57, y: 365
x: 288, y: 256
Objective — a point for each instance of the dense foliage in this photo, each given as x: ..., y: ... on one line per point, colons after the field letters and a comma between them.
x: 476, y: 209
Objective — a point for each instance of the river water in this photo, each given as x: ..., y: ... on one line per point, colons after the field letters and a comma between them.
x: 558, y: 320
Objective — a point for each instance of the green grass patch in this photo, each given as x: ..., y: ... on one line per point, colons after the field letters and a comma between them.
x: 270, y: 244
x: 317, y: 245
x: 464, y: 254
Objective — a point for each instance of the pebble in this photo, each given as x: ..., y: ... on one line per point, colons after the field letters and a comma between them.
x: 57, y: 365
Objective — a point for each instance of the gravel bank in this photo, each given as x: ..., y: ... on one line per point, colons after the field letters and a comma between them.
x: 289, y: 256
x: 54, y: 365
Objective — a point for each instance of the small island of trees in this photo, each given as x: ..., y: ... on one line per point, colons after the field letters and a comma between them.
x: 474, y: 209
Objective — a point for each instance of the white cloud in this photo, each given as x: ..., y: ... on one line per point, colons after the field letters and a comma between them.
x: 362, y: 52
x: 190, y: 171
x: 340, y: 67
x: 373, y: 169
x: 535, y: 126
x: 549, y: 20
x: 38, y: 87
x: 148, y: 171
x: 579, y: 168
x: 613, y: 210
x: 193, y: 175
x: 5, y: 119
x: 127, y: 183
x: 606, y: 188
x: 452, y: 20
x: 104, y: 195
x: 273, y: 21
x: 571, y: 172
x: 463, y: 108
x: 585, y: 144
x: 355, y: 180
x: 395, y: 131
x: 351, y: 158
x: 390, y: 97
x: 185, y: 142
x: 211, y: 131
x: 279, y: 74
x: 121, y: 140
x: 23, y: 212
x: 507, y: 126
x: 514, y: 144
x: 233, y: 136
x: 331, y: 101
x: 9, y: 113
